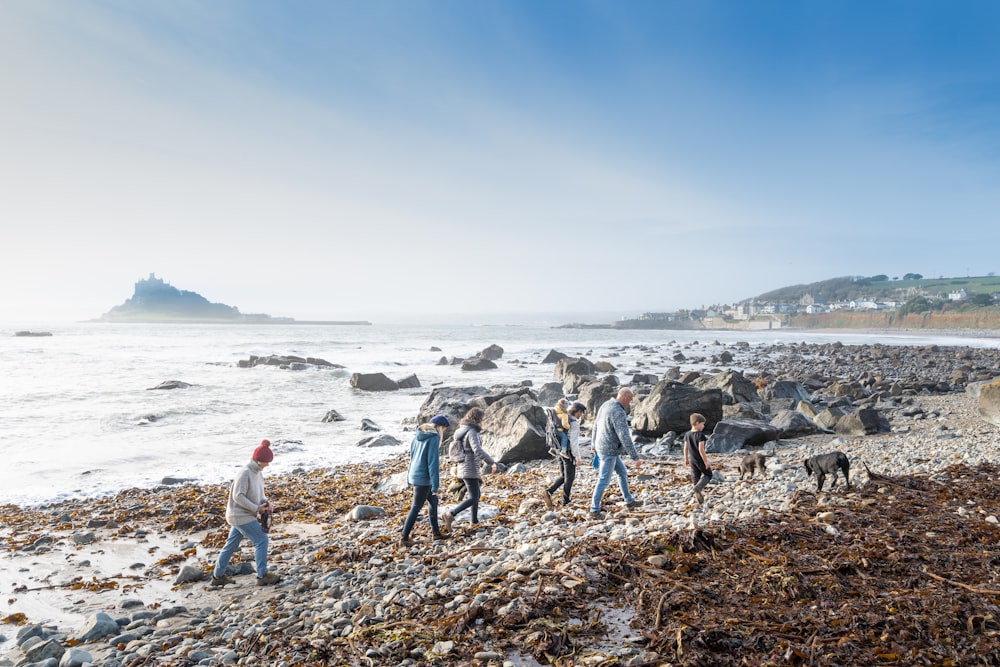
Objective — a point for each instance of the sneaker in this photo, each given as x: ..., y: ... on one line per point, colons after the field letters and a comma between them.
x: 565, y: 502
x: 406, y: 542
x: 700, y: 498
x: 635, y: 503
x: 547, y: 497
x: 440, y: 536
x: 268, y: 579
x: 448, y: 520
x: 221, y: 581
x: 597, y: 515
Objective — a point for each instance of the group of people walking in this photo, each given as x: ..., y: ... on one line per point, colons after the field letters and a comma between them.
x: 248, y: 509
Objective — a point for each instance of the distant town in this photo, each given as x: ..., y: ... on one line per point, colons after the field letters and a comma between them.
x: 911, y: 294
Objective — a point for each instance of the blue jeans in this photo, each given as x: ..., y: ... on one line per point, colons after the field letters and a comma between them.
x: 253, y: 532
x: 606, y: 466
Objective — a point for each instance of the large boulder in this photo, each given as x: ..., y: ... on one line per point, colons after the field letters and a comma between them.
x: 572, y: 382
x: 829, y: 417
x: 786, y: 389
x: 409, y: 382
x: 478, y: 364
x: 373, y: 382
x: 452, y: 402
x: 491, y: 353
x: 553, y: 356
x: 863, y: 421
x: 988, y: 404
x: 669, y: 405
x: 732, y: 434
x: 732, y: 383
x: 550, y: 393
x: 573, y: 366
x: 595, y: 393
x: 793, y: 424
x: 514, y: 429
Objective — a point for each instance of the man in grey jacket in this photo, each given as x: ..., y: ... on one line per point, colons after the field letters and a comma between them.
x: 246, y: 501
x: 612, y: 439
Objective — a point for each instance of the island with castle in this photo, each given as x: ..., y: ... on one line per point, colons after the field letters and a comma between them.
x: 157, y: 301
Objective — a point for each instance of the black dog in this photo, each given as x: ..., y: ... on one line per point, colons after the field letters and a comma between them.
x: 752, y: 462
x: 828, y: 464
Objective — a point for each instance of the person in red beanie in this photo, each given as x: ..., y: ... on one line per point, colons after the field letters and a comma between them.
x: 246, y: 502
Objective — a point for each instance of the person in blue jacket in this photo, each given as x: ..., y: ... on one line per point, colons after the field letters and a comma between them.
x: 424, y: 475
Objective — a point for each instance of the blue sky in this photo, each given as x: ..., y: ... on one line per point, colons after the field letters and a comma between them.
x: 383, y: 160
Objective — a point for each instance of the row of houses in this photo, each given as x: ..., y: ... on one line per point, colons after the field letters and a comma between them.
x: 750, y: 310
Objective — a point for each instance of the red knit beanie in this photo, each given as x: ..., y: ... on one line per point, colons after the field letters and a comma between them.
x: 263, y: 453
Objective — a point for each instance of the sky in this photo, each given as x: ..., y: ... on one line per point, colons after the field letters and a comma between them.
x: 392, y: 161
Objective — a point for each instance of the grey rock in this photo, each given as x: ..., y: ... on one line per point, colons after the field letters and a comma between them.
x: 96, y: 627
x: 373, y: 382
x: 365, y: 513
x: 189, y: 574
x: 380, y: 440
x: 171, y: 384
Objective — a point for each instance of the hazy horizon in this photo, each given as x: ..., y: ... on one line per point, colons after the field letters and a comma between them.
x: 341, y: 161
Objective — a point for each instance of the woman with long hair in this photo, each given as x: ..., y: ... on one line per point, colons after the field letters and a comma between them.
x: 472, y: 448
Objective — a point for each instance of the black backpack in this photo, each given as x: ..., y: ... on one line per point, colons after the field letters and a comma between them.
x: 553, y: 427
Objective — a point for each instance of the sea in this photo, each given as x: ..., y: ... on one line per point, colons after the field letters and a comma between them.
x: 79, y: 417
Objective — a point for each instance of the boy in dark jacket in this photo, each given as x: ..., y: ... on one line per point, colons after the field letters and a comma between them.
x: 694, y: 456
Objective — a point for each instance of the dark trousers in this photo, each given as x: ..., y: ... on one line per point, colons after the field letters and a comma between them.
x: 700, y: 478
x: 421, y: 495
x: 567, y: 469
x: 473, y: 485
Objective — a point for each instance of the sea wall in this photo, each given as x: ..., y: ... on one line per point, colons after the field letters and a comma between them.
x: 976, y: 319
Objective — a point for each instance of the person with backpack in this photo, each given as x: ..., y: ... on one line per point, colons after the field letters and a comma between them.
x: 467, y: 438
x: 569, y: 455
x: 424, y: 476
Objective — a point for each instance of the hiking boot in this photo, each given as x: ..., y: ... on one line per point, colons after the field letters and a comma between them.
x: 547, y: 497
x: 700, y: 498
x: 268, y: 579
x: 449, y: 518
x: 635, y: 503
x: 221, y: 581
x: 406, y: 542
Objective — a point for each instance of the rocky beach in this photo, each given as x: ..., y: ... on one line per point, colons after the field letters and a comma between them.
x: 902, y: 567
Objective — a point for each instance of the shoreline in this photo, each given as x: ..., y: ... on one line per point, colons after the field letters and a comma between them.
x: 521, y: 558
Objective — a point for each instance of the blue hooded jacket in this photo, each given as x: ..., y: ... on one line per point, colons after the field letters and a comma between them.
x: 424, y: 452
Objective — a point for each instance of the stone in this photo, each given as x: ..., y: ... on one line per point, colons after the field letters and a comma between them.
x: 96, y: 626
x: 49, y: 649
x: 732, y: 434
x: 863, y: 421
x: 572, y: 366
x: 732, y: 384
x: 553, y: 356
x: 380, y: 440
x: 373, y: 382
x: 491, y: 353
x: 171, y: 384
x: 75, y: 657
x: 189, y: 574
x: 478, y: 364
x: 669, y: 406
x: 409, y: 382
x: 988, y: 403
x: 333, y: 416
x: 365, y: 513
x: 793, y: 424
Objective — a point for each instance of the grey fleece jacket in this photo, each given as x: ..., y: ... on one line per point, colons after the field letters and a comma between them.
x: 246, y: 495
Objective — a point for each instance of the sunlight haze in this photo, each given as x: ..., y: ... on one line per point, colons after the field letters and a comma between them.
x: 383, y: 160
